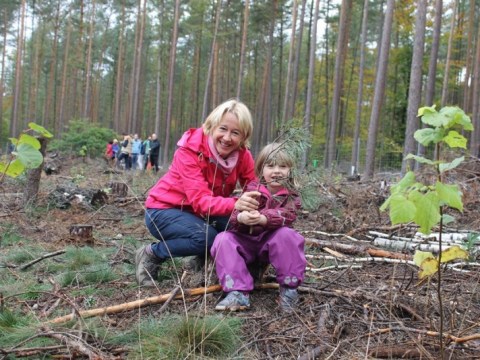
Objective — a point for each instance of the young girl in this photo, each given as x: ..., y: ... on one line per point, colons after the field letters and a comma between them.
x: 264, y: 235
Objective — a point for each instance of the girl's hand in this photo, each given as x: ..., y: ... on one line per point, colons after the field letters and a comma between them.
x: 248, y: 202
x: 251, y: 218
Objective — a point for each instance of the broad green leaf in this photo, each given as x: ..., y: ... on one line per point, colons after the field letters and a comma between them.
x: 40, y: 129
x: 28, y: 139
x: 451, y: 165
x: 14, y: 169
x: 454, y: 253
x: 455, y: 140
x: 420, y: 159
x: 426, y: 110
x: 30, y: 157
x: 420, y: 257
x: 433, y: 118
x: 449, y: 195
x: 457, y: 116
x: 428, y: 210
x: 402, y: 210
x: 429, y: 135
x: 407, y: 181
x: 447, y: 219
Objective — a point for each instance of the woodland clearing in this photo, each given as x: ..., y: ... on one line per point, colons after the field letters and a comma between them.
x: 358, y: 300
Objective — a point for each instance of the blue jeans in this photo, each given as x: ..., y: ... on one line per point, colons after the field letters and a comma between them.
x: 182, y: 233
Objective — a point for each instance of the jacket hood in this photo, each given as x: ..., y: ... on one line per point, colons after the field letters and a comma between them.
x: 193, y: 139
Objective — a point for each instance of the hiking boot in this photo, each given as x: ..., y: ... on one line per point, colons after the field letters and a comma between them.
x: 288, y: 299
x: 234, y: 301
x: 146, y: 267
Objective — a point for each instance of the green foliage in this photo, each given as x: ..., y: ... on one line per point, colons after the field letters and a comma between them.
x: 84, y: 138
x: 472, y: 242
x: 26, y: 152
x: 413, y: 201
x: 181, y: 338
x: 423, y: 203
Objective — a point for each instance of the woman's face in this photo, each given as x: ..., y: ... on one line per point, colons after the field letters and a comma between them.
x: 227, y: 136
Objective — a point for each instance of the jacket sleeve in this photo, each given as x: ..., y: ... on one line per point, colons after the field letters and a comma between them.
x: 197, y: 188
x: 284, y: 215
x: 247, y: 170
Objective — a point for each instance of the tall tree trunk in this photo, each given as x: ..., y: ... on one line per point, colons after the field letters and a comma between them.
x: 415, y: 86
x: 475, y: 135
x: 296, y: 64
x: 243, y: 46
x: 88, y: 67
x: 117, y: 107
x: 432, y: 66
x: 291, y: 51
x: 135, y: 121
x: 63, y: 89
x: 311, y: 74
x: 210, y: 63
x: 49, y: 109
x: 158, y: 88
x: 171, y: 78
x: 449, y: 54
x: 338, y: 80
x: 18, y: 74
x: 378, y: 97
x: 358, y: 110
x: 467, y: 103
x: 2, y: 75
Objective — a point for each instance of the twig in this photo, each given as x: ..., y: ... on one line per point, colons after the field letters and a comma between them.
x: 455, y: 339
x: 46, y: 256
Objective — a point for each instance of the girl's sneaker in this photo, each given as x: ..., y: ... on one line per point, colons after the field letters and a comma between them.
x: 234, y: 301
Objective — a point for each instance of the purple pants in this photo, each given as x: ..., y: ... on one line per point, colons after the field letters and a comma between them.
x: 283, y: 248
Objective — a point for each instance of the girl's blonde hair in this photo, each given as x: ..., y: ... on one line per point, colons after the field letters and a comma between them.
x: 275, y: 153
x: 240, y: 110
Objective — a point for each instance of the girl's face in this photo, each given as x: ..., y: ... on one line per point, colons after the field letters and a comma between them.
x: 275, y: 176
x: 227, y: 136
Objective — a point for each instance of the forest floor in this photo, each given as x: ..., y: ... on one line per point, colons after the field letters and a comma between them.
x: 354, y: 304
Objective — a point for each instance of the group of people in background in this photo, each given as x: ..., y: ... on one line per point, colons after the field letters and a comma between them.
x: 133, y: 153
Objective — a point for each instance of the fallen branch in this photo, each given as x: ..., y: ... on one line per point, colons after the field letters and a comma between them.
x: 356, y: 249
x: 455, y: 339
x: 46, y: 256
x: 135, y: 304
x: 77, y: 343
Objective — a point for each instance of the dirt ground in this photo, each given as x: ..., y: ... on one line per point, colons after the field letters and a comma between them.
x: 353, y: 305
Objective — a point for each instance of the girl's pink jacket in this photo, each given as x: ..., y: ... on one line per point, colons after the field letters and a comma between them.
x: 194, y: 183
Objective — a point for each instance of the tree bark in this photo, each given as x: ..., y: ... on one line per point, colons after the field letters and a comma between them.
x: 446, y: 74
x: 378, y: 97
x: 18, y: 75
x: 358, y: 110
x: 338, y: 81
x: 311, y: 73
x: 243, y: 46
x: 171, y: 77
x: 33, y: 178
x: 415, y: 86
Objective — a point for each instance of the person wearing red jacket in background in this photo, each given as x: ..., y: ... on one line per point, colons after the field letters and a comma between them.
x: 193, y: 201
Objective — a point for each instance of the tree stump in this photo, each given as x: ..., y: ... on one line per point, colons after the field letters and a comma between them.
x: 82, y: 234
x: 119, y: 189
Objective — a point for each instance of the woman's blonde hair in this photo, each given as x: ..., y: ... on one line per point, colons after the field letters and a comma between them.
x: 240, y: 110
x: 275, y: 153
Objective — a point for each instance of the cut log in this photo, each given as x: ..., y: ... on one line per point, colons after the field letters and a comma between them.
x: 119, y: 189
x: 82, y: 234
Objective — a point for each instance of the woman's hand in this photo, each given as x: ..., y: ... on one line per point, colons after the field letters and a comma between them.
x: 248, y: 202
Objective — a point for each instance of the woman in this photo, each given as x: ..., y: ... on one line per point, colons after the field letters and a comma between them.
x: 192, y: 202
